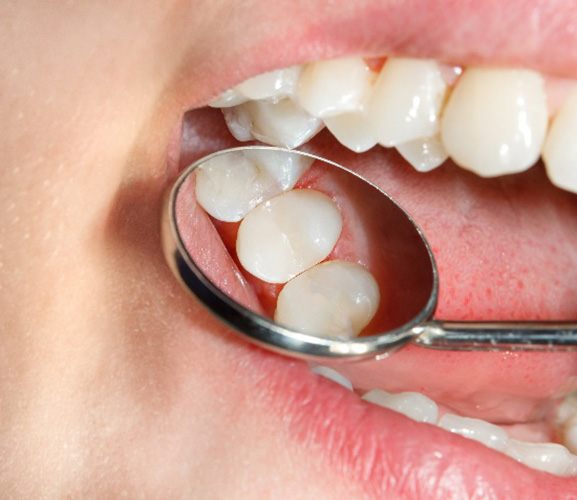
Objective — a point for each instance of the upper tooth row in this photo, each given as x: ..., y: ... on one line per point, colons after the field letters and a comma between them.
x: 548, y: 457
x: 490, y: 121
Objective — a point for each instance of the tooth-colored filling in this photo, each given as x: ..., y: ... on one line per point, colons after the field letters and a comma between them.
x: 333, y: 299
x: 492, y: 121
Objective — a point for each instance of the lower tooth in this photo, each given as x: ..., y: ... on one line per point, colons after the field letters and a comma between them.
x: 478, y: 430
x: 288, y: 234
x: 281, y: 123
x: 333, y: 299
x: 548, y: 457
x: 333, y: 375
x: 424, y: 154
x: 411, y: 404
x: 352, y: 130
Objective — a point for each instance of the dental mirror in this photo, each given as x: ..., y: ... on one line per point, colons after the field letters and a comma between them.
x: 305, y: 257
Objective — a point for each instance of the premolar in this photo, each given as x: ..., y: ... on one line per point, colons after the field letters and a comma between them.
x: 329, y: 88
x: 424, y: 154
x: 288, y: 234
x: 495, y: 121
x: 272, y: 85
x: 333, y: 299
x: 407, y: 100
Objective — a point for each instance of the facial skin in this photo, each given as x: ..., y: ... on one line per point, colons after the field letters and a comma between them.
x: 113, y: 380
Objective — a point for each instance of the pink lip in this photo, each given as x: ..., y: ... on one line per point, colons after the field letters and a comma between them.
x: 388, y: 454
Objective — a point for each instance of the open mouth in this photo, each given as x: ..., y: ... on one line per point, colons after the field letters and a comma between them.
x: 482, y: 158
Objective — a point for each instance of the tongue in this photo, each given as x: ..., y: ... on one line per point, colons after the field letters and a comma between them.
x: 505, y: 249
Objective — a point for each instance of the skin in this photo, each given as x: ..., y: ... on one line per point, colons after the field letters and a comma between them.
x: 113, y: 380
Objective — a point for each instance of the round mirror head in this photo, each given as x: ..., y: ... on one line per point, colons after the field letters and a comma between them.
x: 299, y: 254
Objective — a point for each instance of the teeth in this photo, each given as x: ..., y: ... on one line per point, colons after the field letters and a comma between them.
x: 495, y: 121
x: 333, y: 375
x: 278, y: 124
x: 229, y: 186
x: 479, y: 430
x: 329, y: 88
x: 352, y: 130
x: 228, y: 98
x: 560, y: 150
x: 286, y: 235
x: 333, y: 299
x: 272, y: 85
x: 424, y: 154
x: 407, y: 100
x: 548, y: 457
x: 411, y: 404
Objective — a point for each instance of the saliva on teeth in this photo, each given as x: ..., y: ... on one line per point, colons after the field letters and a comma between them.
x: 491, y: 121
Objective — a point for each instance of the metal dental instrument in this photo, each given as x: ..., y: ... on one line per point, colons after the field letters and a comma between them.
x: 407, y: 262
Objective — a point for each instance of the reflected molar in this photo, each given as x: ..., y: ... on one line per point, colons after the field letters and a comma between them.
x: 229, y: 186
x: 329, y: 88
x: 495, y: 121
x: 560, y: 150
x: 282, y: 123
x: 332, y: 299
x: 407, y: 100
x: 288, y: 234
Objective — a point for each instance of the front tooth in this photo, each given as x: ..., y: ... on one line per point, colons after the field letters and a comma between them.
x: 271, y: 85
x: 407, y: 100
x: 333, y: 299
x: 424, y: 154
x: 352, y: 130
x: 228, y: 98
x: 286, y: 235
x: 560, y: 150
x: 495, y: 120
x: 328, y: 88
x: 548, y: 457
x: 280, y: 123
x: 333, y: 375
x: 479, y: 430
x: 411, y: 404
x: 229, y: 186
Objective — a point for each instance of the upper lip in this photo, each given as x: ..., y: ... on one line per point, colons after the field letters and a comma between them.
x: 456, y: 33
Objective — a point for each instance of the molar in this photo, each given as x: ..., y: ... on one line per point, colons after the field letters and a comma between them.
x: 288, y: 234
x: 329, y: 88
x: 407, y: 100
x: 548, y: 457
x: 414, y: 405
x: 332, y: 299
x: 478, y: 430
x: 495, y: 120
x: 282, y: 123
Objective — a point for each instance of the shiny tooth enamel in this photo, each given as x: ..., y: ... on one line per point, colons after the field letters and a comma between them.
x: 566, y: 422
x: 411, y: 404
x: 288, y: 234
x: 495, y: 120
x: 548, y: 457
x: 424, y: 154
x: 407, y: 100
x: 352, y: 130
x: 332, y: 299
x: 228, y: 98
x: 332, y: 375
x: 560, y: 150
x: 329, y: 88
x: 281, y: 123
x: 271, y: 85
x: 478, y: 430
x: 229, y: 186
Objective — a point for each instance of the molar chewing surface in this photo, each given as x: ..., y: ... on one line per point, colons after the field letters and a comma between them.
x: 548, y: 457
x: 492, y: 121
